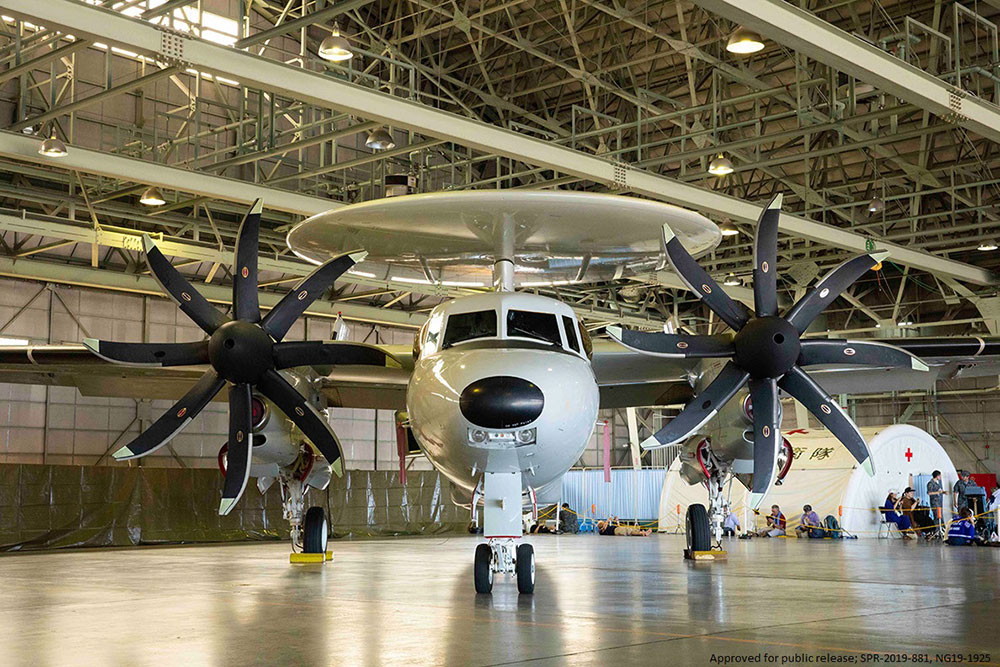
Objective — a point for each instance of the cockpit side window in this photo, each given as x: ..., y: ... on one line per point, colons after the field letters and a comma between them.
x: 542, y: 326
x: 588, y: 345
x: 570, y: 333
x: 466, y: 326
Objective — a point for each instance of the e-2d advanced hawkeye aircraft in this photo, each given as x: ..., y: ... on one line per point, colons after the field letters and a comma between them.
x: 502, y: 388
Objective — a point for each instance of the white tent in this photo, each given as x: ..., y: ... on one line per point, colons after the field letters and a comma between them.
x: 826, y: 476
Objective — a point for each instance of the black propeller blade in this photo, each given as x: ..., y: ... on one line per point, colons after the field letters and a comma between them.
x: 245, y: 352
x: 240, y: 446
x: 767, y: 350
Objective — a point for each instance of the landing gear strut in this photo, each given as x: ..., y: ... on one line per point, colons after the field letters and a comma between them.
x: 718, y: 473
x: 502, y: 529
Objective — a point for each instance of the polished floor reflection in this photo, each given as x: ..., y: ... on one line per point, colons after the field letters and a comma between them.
x: 598, y: 600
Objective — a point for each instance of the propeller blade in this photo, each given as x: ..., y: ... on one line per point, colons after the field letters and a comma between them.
x: 766, y: 436
x: 805, y: 390
x: 245, y: 304
x: 179, y: 289
x: 299, y: 410
x: 317, y: 353
x: 802, y: 314
x: 856, y: 352
x: 173, y: 420
x: 765, y: 260
x: 149, y: 354
x: 701, y: 408
x: 240, y: 447
x: 701, y: 283
x: 292, y: 305
x: 677, y: 346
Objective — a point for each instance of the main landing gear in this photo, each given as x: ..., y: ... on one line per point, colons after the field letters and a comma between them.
x: 502, y: 529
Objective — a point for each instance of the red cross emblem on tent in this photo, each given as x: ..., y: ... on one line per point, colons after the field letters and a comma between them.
x: 908, y: 455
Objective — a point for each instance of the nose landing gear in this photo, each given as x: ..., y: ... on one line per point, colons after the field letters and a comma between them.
x: 502, y: 529
x: 499, y: 555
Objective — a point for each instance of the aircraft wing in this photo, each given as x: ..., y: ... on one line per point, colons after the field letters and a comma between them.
x: 947, y: 359
x: 631, y: 379
x: 75, y: 366
x: 627, y: 378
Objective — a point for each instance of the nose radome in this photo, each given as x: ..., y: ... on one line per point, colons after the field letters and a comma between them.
x: 501, y: 402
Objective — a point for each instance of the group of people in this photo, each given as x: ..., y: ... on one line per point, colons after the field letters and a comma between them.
x: 912, y: 518
x: 810, y: 525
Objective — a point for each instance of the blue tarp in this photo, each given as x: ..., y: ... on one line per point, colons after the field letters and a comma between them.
x: 629, y: 495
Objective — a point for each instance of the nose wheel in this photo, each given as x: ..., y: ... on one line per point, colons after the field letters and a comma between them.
x: 525, y: 566
x: 484, y: 568
x: 499, y: 555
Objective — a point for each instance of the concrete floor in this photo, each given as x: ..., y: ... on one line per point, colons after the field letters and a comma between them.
x: 598, y: 600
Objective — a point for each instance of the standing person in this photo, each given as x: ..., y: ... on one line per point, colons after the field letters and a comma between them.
x: 958, y: 491
x: 935, y: 491
x: 731, y: 525
x: 810, y: 524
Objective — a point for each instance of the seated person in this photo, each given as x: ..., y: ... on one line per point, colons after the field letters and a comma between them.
x: 890, y: 510
x: 776, y: 524
x: 731, y: 525
x: 810, y: 524
x: 567, y: 520
x: 962, y: 532
x: 920, y: 518
x: 614, y: 527
x: 540, y: 528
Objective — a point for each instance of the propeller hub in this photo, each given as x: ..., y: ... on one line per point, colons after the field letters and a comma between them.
x: 767, y: 347
x: 240, y: 351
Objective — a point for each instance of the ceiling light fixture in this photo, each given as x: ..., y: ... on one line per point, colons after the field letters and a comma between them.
x: 335, y: 47
x: 744, y: 41
x: 721, y: 166
x: 987, y: 246
x: 152, y: 197
x: 728, y: 229
x: 53, y: 147
x: 731, y: 280
x: 876, y: 205
x: 380, y: 140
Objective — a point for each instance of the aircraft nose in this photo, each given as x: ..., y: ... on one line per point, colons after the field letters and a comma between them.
x: 501, y: 402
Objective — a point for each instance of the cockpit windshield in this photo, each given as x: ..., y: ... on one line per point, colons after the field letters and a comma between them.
x: 528, y: 324
x: 466, y: 326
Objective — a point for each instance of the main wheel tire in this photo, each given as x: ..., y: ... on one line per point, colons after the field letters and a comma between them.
x: 699, y: 535
x: 525, y: 566
x: 484, y: 568
x: 316, y: 531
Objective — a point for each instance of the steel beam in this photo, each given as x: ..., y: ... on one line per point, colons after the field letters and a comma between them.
x: 329, y: 92
x: 321, y: 16
x: 85, y: 276
x: 67, y: 232
x: 808, y: 34
x: 21, y: 147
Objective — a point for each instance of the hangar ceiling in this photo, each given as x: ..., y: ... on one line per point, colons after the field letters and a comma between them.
x: 852, y: 106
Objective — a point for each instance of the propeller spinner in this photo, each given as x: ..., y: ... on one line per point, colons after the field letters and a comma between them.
x: 245, y: 351
x: 767, y: 351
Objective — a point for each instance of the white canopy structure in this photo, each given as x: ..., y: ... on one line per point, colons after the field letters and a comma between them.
x: 826, y: 476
